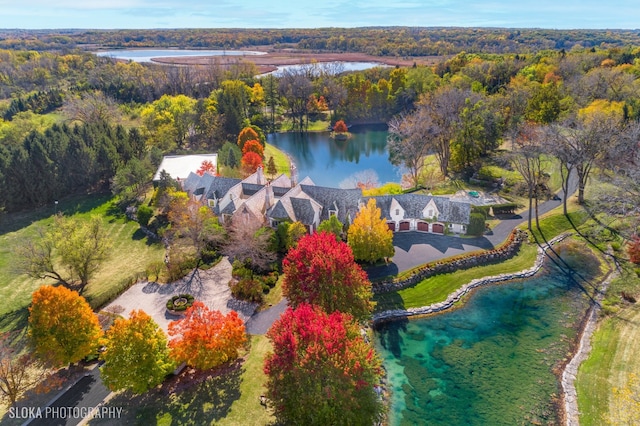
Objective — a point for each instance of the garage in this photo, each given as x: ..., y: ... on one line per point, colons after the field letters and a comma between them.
x: 392, y: 226
x: 437, y: 228
x: 423, y: 226
x: 405, y: 226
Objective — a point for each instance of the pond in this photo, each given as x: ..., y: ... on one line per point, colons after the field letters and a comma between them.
x: 340, y: 163
x: 492, y: 361
x: 332, y: 67
x: 145, y: 55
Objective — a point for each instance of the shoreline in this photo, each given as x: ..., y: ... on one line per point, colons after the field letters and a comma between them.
x: 567, y: 403
x: 453, y: 298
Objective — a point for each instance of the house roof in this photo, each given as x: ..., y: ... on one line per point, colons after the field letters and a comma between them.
x: 278, y: 211
x: 346, y: 200
x: 180, y: 166
x: 414, y: 204
x: 303, y: 209
x: 249, y: 189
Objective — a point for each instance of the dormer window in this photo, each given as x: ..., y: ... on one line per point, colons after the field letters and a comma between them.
x: 397, y: 212
x: 333, y: 213
x: 430, y: 213
x: 212, y: 203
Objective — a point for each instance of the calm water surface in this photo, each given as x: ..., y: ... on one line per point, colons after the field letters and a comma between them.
x: 339, y: 163
x: 145, y: 55
x: 490, y: 362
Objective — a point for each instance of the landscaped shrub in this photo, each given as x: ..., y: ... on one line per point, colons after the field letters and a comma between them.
x: 483, y: 210
x: 506, y: 208
x: 180, y: 302
x: 239, y: 270
x: 144, y: 214
x: 248, y: 289
x: 476, y: 224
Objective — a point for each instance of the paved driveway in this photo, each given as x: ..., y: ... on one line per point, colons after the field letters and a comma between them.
x: 417, y: 248
x: 210, y: 287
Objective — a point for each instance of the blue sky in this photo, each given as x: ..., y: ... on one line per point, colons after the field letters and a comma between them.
x: 562, y: 14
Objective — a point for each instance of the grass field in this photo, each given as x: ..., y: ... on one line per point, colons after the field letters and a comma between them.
x: 231, y: 398
x: 614, y: 356
x: 131, y: 253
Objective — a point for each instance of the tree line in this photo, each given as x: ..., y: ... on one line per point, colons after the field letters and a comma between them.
x: 379, y: 41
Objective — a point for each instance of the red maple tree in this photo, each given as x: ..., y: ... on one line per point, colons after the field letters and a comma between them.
x: 633, y: 249
x: 205, y: 338
x: 340, y: 127
x: 253, y: 146
x: 250, y: 162
x: 321, y: 271
x: 321, y: 357
x: 206, y: 167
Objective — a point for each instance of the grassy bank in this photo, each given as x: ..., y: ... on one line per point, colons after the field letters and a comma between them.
x: 279, y: 157
x: 613, y: 357
x: 130, y: 255
x: 436, y: 289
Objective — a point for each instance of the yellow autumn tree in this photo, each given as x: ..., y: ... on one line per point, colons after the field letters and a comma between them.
x: 62, y: 326
x: 369, y: 236
x: 136, y: 357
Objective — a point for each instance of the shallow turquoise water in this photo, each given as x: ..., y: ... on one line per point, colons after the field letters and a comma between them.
x: 490, y: 362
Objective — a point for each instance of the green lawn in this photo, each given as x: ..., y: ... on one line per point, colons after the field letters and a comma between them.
x: 228, y: 398
x: 279, y: 157
x: 615, y: 345
x: 436, y: 289
x: 131, y: 253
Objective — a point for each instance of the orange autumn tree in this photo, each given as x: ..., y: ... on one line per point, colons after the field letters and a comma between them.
x: 340, y: 127
x: 206, y: 167
x: 250, y: 162
x: 253, y: 146
x: 205, y: 338
x: 247, y: 134
x: 62, y: 326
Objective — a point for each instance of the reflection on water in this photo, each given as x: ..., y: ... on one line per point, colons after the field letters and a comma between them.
x: 490, y: 362
x: 329, y: 162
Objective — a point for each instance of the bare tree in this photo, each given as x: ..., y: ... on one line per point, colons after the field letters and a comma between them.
x: 91, y: 107
x: 296, y: 88
x: 249, y: 242
x: 527, y: 160
x: 620, y: 170
x: 581, y: 142
x: 443, y: 108
x: 19, y: 370
x: 411, y: 138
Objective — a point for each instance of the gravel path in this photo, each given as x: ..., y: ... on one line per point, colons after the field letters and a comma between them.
x: 210, y: 286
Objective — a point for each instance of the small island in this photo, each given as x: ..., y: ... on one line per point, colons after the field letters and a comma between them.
x: 340, y: 131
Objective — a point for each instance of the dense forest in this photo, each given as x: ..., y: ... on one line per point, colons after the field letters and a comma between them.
x: 382, y: 41
x: 71, y: 120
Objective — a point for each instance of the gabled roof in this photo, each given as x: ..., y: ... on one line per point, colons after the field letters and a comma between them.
x: 220, y: 186
x: 346, y: 200
x: 278, y: 211
x: 249, y: 189
x: 303, y: 210
x: 414, y: 204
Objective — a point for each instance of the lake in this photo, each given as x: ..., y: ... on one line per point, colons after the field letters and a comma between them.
x: 339, y: 163
x: 492, y: 361
x: 331, y: 68
x: 145, y: 55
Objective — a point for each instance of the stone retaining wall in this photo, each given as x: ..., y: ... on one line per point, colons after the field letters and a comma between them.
x: 507, y: 251
x: 458, y: 294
